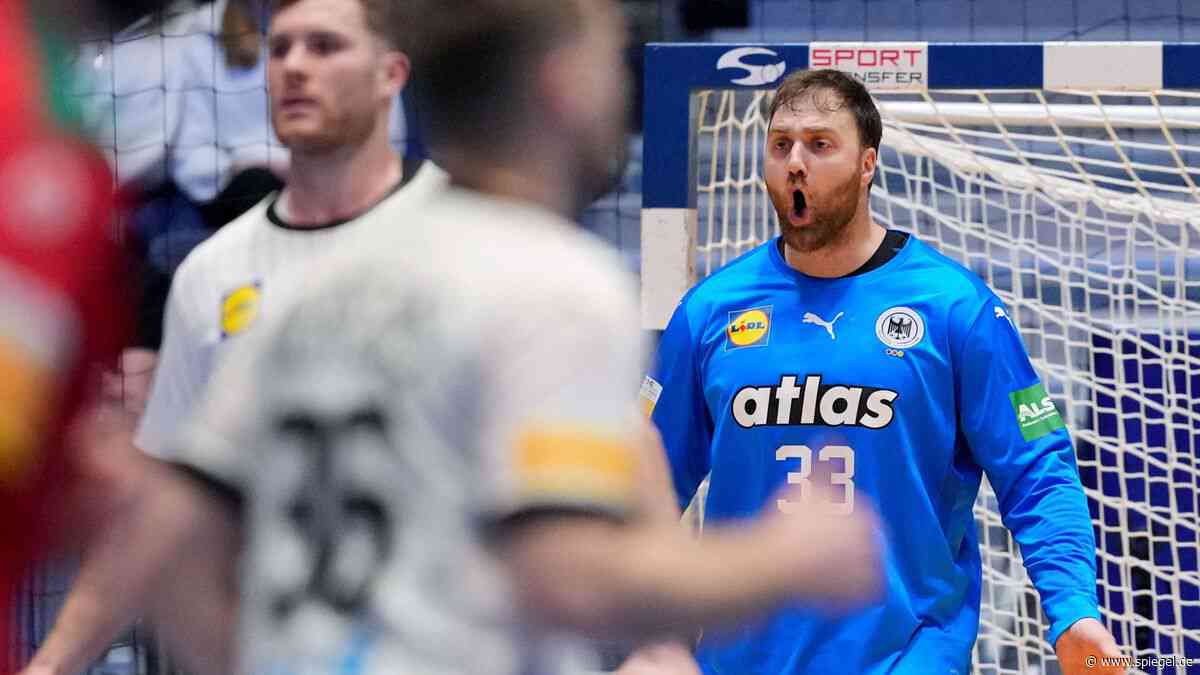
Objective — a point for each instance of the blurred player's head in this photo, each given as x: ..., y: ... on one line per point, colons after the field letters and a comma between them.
x: 507, y: 81
x: 822, y: 145
x: 335, y: 66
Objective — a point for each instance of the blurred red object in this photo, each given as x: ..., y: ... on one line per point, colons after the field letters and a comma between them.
x: 63, y: 309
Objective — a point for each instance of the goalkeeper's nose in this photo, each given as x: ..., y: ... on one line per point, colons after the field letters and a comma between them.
x: 797, y: 163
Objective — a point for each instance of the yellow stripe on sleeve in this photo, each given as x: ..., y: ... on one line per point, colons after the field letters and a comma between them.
x: 25, y: 392
x: 576, y: 465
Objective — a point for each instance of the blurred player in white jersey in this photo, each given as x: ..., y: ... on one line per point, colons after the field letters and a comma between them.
x: 437, y: 457
x: 335, y: 70
x: 181, y: 97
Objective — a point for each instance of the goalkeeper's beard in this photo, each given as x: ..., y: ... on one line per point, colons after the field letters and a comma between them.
x: 830, y: 218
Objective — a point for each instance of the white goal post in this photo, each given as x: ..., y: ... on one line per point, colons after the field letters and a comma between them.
x: 1067, y: 175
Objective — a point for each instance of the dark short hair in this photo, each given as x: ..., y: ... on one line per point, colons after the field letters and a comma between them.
x: 852, y: 94
x: 384, y: 18
x: 474, y: 61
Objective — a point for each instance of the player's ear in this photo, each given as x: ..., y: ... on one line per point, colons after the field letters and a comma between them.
x: 870, y: 158
x: 394, y: 70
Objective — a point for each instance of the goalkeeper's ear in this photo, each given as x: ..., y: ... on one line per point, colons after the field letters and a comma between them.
x: 868, y: 162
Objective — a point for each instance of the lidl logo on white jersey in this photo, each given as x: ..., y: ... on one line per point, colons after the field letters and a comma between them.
x: 813, y: 403
x: 1036, y: 414
x: 239, y: 308
x: 748, y: 327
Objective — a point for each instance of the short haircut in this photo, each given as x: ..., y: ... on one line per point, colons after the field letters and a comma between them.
x: 384, y: 18
x: 851, y: 92
x: 474, y: 62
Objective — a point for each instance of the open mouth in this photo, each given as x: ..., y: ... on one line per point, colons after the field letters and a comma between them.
x: 799, y: 204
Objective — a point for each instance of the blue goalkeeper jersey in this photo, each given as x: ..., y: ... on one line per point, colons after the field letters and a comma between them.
x: 901, y: 386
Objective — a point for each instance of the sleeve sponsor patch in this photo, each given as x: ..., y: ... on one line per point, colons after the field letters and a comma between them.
x: 648, y: 396
x: 575, y: 465
x: 1036, y: 414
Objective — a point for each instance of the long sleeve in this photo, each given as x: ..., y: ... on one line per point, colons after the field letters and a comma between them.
x: 1019, y: 439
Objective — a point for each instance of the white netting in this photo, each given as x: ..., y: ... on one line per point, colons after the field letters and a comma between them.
x: 1081, y: 209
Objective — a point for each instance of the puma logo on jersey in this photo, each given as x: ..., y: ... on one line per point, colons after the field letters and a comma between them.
x: 813, y: 403
x: 809, y: 317
x: 1001, y: 314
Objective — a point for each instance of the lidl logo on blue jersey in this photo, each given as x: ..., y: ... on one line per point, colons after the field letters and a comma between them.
x: 1036, y: 414
x: 749, y: 327
x: 813, y: 403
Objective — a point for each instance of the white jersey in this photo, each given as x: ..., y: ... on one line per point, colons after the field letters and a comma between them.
x: 478, y: 367
x: 232, y: 281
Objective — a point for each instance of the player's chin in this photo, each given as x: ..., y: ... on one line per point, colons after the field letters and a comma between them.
x: 805, y: 238
x: 305, y: 138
